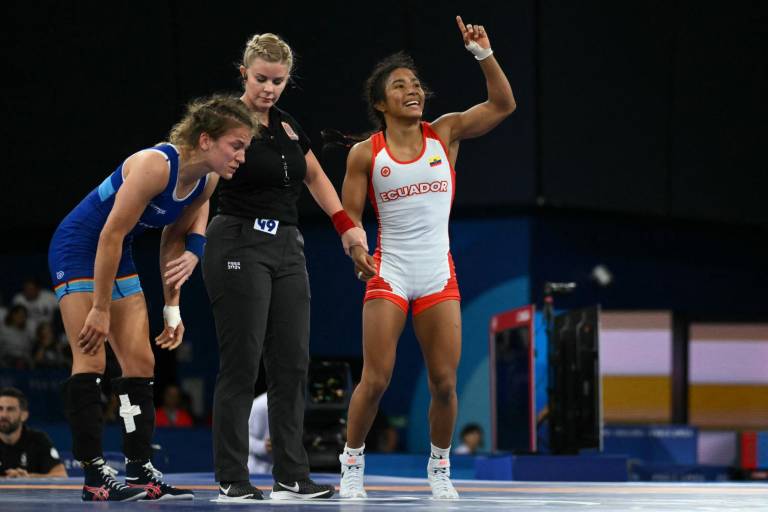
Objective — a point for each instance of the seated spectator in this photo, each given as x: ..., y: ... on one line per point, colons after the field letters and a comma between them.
x: 259, y: 442
x: 47, y: 349
x: 41, y: 304
x: 171, y: 413
x: 15, y: 342
x: 24, y: 452
x: 471, y: 439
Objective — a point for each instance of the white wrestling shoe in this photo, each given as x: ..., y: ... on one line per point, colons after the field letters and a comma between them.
x: 439, y: 476
x: 352, y: 471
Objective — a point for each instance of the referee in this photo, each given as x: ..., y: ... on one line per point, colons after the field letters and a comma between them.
x: 257, y: 282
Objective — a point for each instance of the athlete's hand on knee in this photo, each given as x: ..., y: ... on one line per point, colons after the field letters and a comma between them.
x: 171, y: 337
x: 354, y: 237
x: 94, y: 331
x: 16, y: 473
x: 178, y: 271
x: 365, y: 265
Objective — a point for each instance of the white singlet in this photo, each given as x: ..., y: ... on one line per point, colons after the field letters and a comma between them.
x: 412, y: 201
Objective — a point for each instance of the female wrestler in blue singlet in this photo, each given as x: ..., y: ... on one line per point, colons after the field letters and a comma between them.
x: 99, y: 291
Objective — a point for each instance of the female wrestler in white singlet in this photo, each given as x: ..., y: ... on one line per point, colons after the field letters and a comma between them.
x: 407, y: 171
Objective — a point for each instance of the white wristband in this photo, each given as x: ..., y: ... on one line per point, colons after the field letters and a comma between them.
x: 478, y: 51
x: 172, y: 316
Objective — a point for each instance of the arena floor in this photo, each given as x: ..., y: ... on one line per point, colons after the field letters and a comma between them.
x: 386, y: 493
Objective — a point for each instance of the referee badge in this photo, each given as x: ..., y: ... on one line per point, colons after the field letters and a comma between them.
x: 289, y: 131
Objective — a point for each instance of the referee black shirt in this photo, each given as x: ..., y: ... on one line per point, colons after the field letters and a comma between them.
x: 268, y: 184
x: 33, y: 452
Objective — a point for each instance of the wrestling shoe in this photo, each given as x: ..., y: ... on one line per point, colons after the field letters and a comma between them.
x: 439, y: 475
x: 145, y: 476
x: 100, y: 484
x: 352, y: 471
x: 242, y: 491
x: 304, y: 489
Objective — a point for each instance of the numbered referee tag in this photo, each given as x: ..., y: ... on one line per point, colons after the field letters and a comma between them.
x: 266, y: 225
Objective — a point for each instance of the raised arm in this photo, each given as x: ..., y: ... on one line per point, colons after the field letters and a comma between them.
x: 147, y: 177
x: 481, y: 118
x: 353, y: 193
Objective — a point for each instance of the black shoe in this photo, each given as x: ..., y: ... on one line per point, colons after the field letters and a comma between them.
x: 100, y: 484
x: 239, y: 491
x: 141, y: 474
x: 302, y: 490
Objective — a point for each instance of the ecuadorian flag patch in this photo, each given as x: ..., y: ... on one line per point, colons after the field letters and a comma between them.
x: 434, y: 161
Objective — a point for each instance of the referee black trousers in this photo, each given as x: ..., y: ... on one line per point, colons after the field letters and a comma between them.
x: 259, y: 292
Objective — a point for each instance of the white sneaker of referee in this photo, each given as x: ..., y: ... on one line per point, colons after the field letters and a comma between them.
x: 352, y: 472
x: 439, y: 474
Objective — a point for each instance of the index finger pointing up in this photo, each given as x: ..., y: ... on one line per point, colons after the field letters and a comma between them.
x: 461, y: 25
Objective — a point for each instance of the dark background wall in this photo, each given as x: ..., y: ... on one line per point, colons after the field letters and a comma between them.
x: 654, y: 107
x: 90, y: 83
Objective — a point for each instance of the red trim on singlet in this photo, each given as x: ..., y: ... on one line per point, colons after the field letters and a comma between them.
x: 449, y: 292
x: 377, y: 143
x: 377, y: 140
x: 388, y: 296
x: 378, y: 288
x: 427, y: 129
x: 423, y: 149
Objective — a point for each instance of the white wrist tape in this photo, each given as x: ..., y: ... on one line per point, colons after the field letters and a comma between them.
x: 172, y: 316
x: 478, y: 51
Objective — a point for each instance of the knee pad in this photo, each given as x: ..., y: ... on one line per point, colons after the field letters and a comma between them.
x: 137, y: 412
x: 81, y: 394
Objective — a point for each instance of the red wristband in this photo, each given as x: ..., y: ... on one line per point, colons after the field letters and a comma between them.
x: 342, y: 222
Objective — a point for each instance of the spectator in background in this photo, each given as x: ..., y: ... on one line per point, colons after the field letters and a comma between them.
x: 47, y: 352
x: 24, y: 452
x: 471, y: 439
x: 15, y: 341
x: 259, y: 442
x: 171, y: 413
x: 41, y: 304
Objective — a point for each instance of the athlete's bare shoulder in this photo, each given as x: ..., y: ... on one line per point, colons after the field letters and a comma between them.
x: 359, y: 158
